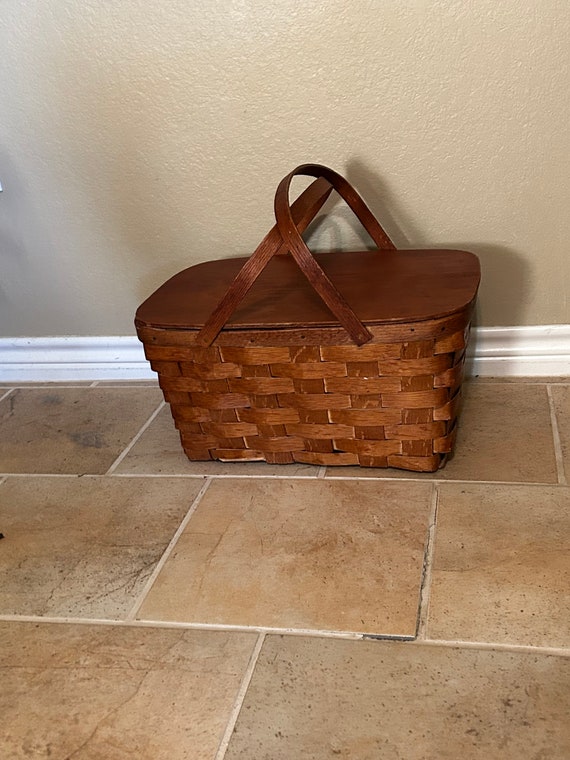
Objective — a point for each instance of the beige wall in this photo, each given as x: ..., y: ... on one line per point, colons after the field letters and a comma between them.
x: 138, y: 137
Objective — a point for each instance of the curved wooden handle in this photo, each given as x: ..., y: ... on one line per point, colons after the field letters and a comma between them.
x: 302, y: 255
x: 303, y: 211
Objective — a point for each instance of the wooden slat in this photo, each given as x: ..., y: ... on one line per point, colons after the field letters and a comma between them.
x: 324, y: 459
x: 449, y: 410
x: 451, y: 378
x: 214, y: 371
x: 220, y: 400
x: 368, y: 352
x: 287, y: 443
x: 432, y: 365
x: 362, y: 369
x: 445, y: 444
x: 301, y: 354
x: 417, y: 349
x: 415, y: 399
x: 366, y: 416
x: 269, y: 416
x: 255, y: 355
x: 373, y: 448
x: 420, y: 431
x: 309, y: 371
x: 418, y: 464
x: 239, y: 455
x: 450, y: 343
x: 186, y: 384
x: 328, y: 431
x: 360, y: 386
x: 183, y: 353
x: 261, y: 385
x: 315, y: 400
x: 166, y: 369
x: 230, y: 429
x: 185, y: 413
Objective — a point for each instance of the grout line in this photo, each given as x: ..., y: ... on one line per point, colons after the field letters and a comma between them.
x: 556, y: 438
x: 5, y: 395
x: 47, y: 475
x: 124, y: 453
x: 167, y: 624
x: 202, y: 475
x: 441, y: 481
x: 425, y: 588
x: 496, y: 646
x: 222, y: 476
x: 321, y: 473
x: 340, y: 635
x: 167, y: 552
x: 239, y: 700
x: 50, y: 386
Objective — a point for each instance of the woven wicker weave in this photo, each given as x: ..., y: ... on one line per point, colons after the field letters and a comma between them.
x: 308, y: 394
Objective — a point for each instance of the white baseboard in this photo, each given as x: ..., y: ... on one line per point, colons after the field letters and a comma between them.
x: 536, y: 351
x: 533, y: 351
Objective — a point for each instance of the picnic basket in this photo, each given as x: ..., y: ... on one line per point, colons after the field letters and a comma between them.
x: 334, y: 358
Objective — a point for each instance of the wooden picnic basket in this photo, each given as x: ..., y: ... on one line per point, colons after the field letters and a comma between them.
x: 327, y: 359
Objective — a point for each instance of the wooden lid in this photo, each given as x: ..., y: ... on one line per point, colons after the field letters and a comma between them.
x: 381, y: 287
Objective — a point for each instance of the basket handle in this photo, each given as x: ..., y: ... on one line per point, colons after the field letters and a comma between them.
x: 286, y: 236
x: 303, y: 211
x: 302, y: 255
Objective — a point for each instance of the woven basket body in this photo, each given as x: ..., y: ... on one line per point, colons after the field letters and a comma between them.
x: 302, y: 390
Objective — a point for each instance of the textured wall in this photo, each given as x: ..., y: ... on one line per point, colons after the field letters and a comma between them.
x: 141, y: 136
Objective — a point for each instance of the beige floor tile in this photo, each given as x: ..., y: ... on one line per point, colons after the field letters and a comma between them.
x: 84, y: 547
x: 299, y: 553
x: 501, y: 569
x: 108, y: 693
x: 70, y: 430
x: 319, y: 700
x: 159, y: 451
x: 561, y: 399
x: 505, y: 434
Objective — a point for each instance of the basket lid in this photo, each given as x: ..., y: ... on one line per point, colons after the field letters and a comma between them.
x: 381, y: 287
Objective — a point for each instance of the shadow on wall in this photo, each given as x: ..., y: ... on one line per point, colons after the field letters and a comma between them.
x: 27, y: 255
x: 506, y: 278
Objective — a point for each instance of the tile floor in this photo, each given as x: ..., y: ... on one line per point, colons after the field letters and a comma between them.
x: 154, y: 608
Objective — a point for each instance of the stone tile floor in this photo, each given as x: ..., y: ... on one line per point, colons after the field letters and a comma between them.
x: 154, y: 608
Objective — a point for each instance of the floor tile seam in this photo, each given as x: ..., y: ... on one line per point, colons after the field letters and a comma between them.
x: 556, y: 439
x: 425, y: 586
x: 52, y: 386
x: 168, y: 551
x: 201, y: 476
x: 444, y: 481
x: 341, y: 636
x: 7, y: 393
x: 216, y: 627
x: 240, y: 698
x: 213, y: 477
x: 237, y: 476
x: 134, y: 440
x: 495, y: 646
